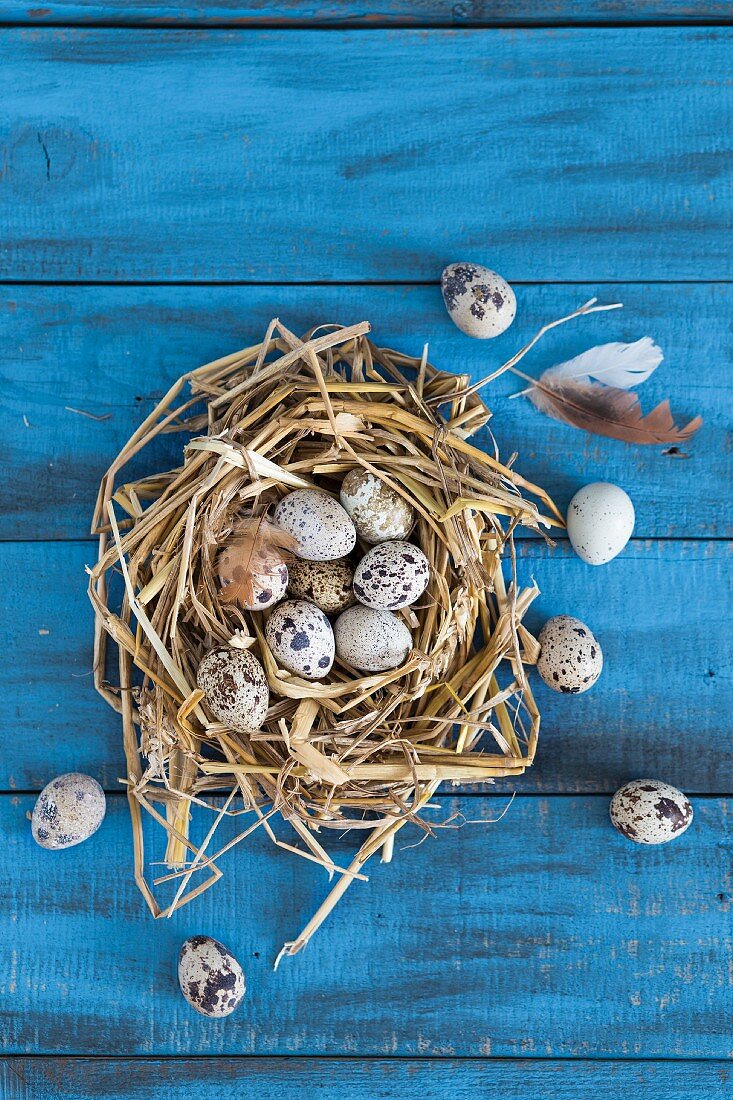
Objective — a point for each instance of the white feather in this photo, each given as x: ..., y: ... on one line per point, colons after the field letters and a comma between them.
x: 619, y: 365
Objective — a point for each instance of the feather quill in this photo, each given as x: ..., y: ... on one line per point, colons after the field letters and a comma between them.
x: 255, y: 550
x: 569, y: 393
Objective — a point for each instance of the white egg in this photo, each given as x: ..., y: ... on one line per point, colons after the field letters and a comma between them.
x: 322, y: 527
x: 68, y: 811
x: 391, y: 575
x: 268, y: 588
x: 372, y: 640
x: 235, y: 687
x: 570, y: 659
x: 378, y: 511
x: 600, y: 521
x: 211, y: 979
x: 648, y: 811
x: 479, y: 301
x: 327, y: 584
x: 301, y: 639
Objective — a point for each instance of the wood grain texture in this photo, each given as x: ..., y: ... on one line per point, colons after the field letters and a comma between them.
x: 246, y: 157
x: 345, y: 156
x: 378, y: 1079
x: 112, y: 351
x: 348, y: 13
x: 662, y: 706
x: 544, y: 935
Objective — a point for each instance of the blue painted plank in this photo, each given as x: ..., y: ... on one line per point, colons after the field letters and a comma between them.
x: 334, y: 1079
x: 662, y: 706
x: 113, y: 350
x: 342, y: 156
x: 348, y: 13
x: 544, y: 935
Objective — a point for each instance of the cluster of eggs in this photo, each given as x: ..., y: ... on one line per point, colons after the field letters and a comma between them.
x: 366, y: 636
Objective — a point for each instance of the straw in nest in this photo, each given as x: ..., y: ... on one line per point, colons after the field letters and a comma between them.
x: 351, y: 752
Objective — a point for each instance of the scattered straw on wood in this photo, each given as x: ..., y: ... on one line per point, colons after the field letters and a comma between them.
x: 351, y: 752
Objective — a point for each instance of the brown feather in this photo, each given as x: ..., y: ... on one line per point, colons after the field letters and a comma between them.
x: 606, y: 410
x: 255, y: 550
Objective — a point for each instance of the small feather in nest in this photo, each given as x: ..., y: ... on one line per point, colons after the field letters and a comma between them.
x: 255, y: 551
x: 568, y: 393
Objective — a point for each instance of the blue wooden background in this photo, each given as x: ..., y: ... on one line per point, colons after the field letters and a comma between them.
x: 171, y: 177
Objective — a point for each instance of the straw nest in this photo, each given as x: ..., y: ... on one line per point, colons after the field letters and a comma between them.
x: 351, y: 752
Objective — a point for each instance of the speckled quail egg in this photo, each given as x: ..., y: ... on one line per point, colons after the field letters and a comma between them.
x: 600, y: 521
x: 327, y: 584
x: 391, y: 575
x: 479, y: 301
x: 235, y: 687
x: 570, y: 658
x: 211, y: 979
x: 322, y: 527
x: 371, y: 640
x: 301, y: 639
x: 379, y: 513
x: 648, y: 811
x: 267, y: 589
x: 68, y: 811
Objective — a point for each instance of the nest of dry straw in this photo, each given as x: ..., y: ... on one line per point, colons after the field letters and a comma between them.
x: 354, y: 751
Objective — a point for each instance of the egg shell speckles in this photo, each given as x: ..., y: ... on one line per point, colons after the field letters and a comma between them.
x: 268, y: 589
x: 322, y: 527
x: 327, y: 584
x: 68, y: 811
x: 570, y: 659
x: 372, y: 640
x: 235, y: 687
x: 391, y: 575
x: 648, y: 811
x: 301, y: 639
x: 379, y: 513
x: 600, y: 521
x: 211, y: 979
x: 479, y: 301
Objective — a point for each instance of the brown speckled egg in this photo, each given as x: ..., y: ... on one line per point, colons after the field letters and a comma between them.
x: 235, y: 687
x: 648, y: 811
x: 322, y: 527
x: 69, y: 810
x: 372, y: 640
x: 301, y: 639
x: 570, y: 659
x: 479, y: 301
x: 327, y: 584
x: 391, y: 575
x: 379, y: 513
x: 211, y: 979
x: 268, y: 588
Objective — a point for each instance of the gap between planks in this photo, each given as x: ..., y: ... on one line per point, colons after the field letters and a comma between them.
x: 282, y: 1059
x: 259, y: 24
x: 114, y: 283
